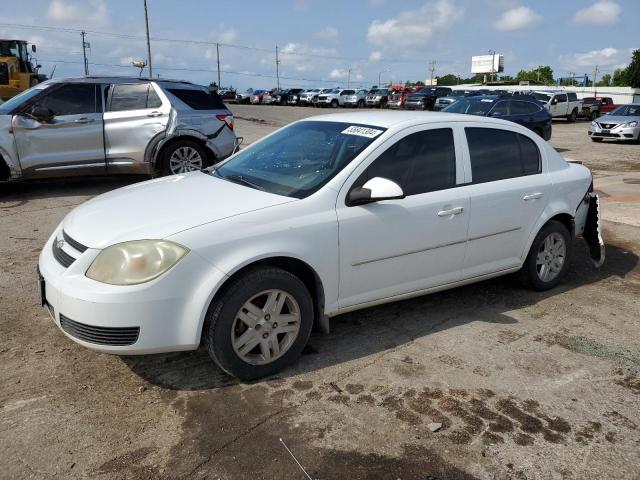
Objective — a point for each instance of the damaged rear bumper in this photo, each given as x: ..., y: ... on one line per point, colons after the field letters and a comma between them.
x: 588, y: 223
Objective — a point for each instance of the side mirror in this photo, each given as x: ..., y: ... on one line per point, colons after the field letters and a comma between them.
x: 33, y: 48
x: 554, y: 101
x: 495, y: 114
x: 41, y: 114
x: 375, y: 190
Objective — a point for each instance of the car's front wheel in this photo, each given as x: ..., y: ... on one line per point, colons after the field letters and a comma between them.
x: 548, y: 257
x: 183, y: 156
x: 260, y: 324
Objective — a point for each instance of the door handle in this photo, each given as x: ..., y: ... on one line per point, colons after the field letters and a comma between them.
x: 154, y: 114
x: 84, y: 120
x: 532, y: 196
x: 451, y: 212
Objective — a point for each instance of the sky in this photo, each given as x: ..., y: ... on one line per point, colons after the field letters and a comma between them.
x: 324, y: 42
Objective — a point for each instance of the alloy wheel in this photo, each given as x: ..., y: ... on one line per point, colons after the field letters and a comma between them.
x: 551, y: 257
x: 266, y: 327
x: 185, y: 159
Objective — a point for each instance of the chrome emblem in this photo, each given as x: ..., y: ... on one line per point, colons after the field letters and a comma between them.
x: 60, y: 244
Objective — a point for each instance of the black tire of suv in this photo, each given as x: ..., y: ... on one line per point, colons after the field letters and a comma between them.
x: 223, y: 310
x: 165, y: 168
x: 360, y: 104
x: 594, y: 115
x: 334, y: 103
x: 572, y: 116
x: 529, y: 272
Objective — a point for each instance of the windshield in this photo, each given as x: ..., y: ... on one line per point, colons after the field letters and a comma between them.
x: 589, y: 100
x: 19, y: 99
x: 382, y: 91
x: 623, y: 111
x: 299, y: 159
x: 471, y: 107
x: 543, y: 97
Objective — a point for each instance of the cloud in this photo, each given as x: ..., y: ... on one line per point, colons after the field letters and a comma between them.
x: 338, y: 73
x: 604, y: 12
x: 228, y: 36
x: 327, y: 33
x: 301, y: 56
x: 301, y: 5
x: 376, y: 3
x: 414, y: 28
x: 518, y: 18
x: 606, y: 57
x: 375, y: 56
x: 91, y: 12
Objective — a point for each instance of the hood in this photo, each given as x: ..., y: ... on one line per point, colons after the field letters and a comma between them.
x: 162, y: 207
x: 617, y: 119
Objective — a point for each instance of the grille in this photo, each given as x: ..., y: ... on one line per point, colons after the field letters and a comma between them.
x: 75, y: 244
x: 61, y: 256
x: 114, y: 336
x: 607, y: 125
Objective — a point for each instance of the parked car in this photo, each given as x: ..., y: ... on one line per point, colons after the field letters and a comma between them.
x: 267, y: 98
x: 105, y: 125
x: 334, y: 98
x: 227, y: 95
x: 244, y: 97
x: 306, y: 97
x: 560, y: 104
x: 357, y: 99
x: 293, y: 98
x: 623, y: 123
x: 327, y: 215
x: 425, y: 98
x: 525, y: 110
x: 321, y: 92
x: 593, y: 107
x: 378, y: 98
x: 454, y: 96
x: 397, y: 97
x: 257, y: 96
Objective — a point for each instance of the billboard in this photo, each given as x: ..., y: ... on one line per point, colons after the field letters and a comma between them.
x: 487, y: 63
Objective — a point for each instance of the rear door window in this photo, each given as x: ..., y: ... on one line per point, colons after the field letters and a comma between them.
x: 572, y: 96
x: 134, y: 96
x: 523, y: 108
x: 199, y: 99
x: 501, y: 154
x: 561, y: 98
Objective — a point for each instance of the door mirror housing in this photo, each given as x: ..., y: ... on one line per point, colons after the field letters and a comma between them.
x: 554, y: 101
x: 33, y: 48
x: 495, y: 114
x: 375, y: 190
x: 41, y: 114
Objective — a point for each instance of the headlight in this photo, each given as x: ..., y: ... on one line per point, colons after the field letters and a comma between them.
x: 630, y: 124
x: 134, y: 262
x: 594, y: 123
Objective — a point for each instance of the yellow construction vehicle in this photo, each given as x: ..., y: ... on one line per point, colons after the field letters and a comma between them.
x: 17, y: 73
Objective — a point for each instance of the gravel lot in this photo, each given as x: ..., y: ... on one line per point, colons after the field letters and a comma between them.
x: 526, y: 385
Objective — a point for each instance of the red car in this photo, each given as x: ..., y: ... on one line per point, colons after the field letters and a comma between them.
x: 397, y: 96
x: 593, y: 107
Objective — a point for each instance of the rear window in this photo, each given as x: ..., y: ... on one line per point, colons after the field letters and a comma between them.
x: 136, y: 96
x: 198, y: 99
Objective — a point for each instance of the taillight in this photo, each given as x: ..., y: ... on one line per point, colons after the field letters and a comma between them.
x: 228, y: 119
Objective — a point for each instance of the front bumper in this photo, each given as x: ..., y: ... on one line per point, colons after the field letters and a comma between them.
x: 166, y: 314
x: 414, y: 106
x: 616, y: 133
x: 398, y: 104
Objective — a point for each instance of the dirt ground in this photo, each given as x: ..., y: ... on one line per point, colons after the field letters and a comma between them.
x: 526, y: 385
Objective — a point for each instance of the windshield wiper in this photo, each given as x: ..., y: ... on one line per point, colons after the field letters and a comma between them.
x: 243, y: 181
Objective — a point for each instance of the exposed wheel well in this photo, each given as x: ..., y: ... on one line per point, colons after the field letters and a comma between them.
x: 292, y: 265
x: 567, y: 221
x: 173, y: 141
x: 5, y: 173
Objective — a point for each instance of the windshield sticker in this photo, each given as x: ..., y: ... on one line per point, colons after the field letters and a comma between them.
x: 362, y: 131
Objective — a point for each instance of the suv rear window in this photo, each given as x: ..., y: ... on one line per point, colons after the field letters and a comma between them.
x: 133, y: 96
x: 198, y: 99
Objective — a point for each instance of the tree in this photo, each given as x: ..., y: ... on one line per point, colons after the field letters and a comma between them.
x: 632, y: 73
x: 448, y: 79
x: 506, y: 78
x: 620, y: 77
x: 605, y: 81
x: 543, y: 74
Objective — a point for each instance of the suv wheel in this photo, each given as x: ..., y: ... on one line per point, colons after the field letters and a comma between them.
x: 572, y: 116
x: 260, y: 324
x: 548, y: 258
x: 183, y: 156
x: 334, y: 103
x: 360, y: 104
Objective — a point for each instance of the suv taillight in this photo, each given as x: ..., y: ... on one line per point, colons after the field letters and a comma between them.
x: 228, y: 119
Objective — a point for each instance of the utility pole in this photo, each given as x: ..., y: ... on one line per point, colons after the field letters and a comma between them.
x: 432, y: 63
x: 277, y: 68
x: 146, y: 23
x: 595, y: 74
x: 85, y: 45
x: 218, y: 60
x: 348, y: 77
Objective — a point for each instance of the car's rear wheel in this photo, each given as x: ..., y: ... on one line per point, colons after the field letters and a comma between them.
x: 548, y: 258
x: 183, y: 156
x: 360, y: 104
x: 260, y: 324
x: 573, y: 115
x: 594, y: 115
x: 334, y: 103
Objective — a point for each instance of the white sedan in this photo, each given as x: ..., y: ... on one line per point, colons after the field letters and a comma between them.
x: 327, y: 215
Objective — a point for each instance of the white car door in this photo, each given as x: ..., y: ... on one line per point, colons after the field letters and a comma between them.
x: 395, y: 247
x: 561, y: 105
x: 508, y: 191
x: 71, y: 141
x: 135, y: 114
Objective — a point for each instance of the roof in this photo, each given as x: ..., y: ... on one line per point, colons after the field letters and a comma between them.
x: 118, y: 79
x: 387, y: 119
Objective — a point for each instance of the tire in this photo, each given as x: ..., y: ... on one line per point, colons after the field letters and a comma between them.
x: 172, y: 164
x: 360, y: 104
x: 594, y: 115
x: 597, y: 140
x: 334, y: 103
x: 548, y: 258
x: 572, y: 116
x: 223, y: 322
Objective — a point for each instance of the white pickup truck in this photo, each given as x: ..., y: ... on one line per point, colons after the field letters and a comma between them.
x: 560, y: 104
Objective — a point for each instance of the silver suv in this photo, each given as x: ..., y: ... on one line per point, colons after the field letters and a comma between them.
x: 357, y: 100
x: 104, y: 125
